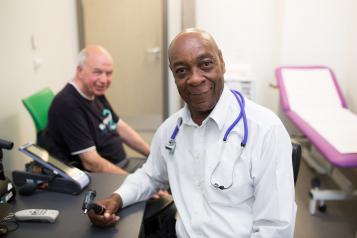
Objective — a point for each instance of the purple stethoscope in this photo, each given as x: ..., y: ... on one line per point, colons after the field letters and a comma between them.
x: 240, y: 99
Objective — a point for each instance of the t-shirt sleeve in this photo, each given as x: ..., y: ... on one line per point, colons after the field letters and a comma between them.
x: 75, y: 130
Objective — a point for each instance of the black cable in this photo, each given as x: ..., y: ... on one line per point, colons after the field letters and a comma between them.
x: 9, y: 223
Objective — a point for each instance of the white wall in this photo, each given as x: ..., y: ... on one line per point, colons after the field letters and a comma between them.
x: 247, y: 33
x: 323, y: 32
x: 174, y: 12
x: 266, y: 34
x: 262, y: 34
x: 32, y: 30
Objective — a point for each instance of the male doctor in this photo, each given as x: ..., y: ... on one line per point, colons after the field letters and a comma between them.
x: 226, y: 182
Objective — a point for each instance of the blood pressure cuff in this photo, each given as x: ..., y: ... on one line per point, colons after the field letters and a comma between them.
x: 36, y: 168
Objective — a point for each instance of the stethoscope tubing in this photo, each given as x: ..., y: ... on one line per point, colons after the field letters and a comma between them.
x: 241, y: 102
x: 240, y: 99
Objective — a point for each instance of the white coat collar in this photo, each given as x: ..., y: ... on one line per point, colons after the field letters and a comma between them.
x: 218, y: 114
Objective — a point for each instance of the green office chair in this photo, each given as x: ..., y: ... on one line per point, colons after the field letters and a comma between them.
x: 38, y: 105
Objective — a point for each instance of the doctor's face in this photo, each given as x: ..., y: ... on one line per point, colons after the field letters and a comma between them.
x: 198, y: 68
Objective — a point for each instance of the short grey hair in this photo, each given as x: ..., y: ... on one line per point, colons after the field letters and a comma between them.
x: 82, y: 57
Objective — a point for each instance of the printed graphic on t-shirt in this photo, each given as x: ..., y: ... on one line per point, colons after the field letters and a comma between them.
x: 108, y: 123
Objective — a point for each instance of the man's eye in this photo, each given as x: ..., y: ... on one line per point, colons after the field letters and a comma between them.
x: 98, y: 72
x: 206, y: 64
x: 180, y: 71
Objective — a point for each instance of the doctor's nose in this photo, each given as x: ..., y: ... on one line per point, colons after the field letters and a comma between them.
x: 196, y: 77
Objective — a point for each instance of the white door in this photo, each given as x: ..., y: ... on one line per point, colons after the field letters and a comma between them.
x: 132, y: 31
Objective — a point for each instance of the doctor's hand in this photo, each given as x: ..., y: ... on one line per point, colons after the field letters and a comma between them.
x: 111, y: 204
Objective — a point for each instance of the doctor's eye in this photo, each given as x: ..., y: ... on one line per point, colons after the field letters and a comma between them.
x: 180, y: 72
x: 206, y: 64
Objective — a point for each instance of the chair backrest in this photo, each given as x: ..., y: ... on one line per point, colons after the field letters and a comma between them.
x: 37, y: 105
x: 296, y: 156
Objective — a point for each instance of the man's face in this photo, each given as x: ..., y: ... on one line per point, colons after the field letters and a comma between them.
x: 96, y: 74
x: 198, y: 69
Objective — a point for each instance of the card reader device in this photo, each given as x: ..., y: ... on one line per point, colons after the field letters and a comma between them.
x: 64, y: 178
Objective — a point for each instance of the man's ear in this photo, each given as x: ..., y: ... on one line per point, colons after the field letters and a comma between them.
x: 79, y: 71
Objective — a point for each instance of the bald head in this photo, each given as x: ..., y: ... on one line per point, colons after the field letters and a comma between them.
x: 188, y: 35
x: 91, y: 51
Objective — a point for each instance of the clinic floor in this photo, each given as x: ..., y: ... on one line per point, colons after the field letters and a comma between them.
x: 340, y: 219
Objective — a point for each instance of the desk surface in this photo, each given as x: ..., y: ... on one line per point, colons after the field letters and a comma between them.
x: 71, y: 221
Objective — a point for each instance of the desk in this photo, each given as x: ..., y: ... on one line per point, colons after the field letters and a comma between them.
x: 71, y: 221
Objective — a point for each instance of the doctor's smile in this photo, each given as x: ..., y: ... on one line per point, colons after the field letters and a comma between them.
x: 203, y: 96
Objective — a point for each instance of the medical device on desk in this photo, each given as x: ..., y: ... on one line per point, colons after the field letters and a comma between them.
x: 171, y: 146
x: 63, y: 178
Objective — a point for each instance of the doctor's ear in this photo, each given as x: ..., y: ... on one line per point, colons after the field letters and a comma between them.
x: 223, y: 64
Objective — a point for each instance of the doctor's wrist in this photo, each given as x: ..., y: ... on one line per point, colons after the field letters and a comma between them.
x: 117, y: 200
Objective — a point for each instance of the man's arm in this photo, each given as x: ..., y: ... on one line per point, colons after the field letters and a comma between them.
x: 274, y: 207
x: 132, y: 138
x: 93, y: 162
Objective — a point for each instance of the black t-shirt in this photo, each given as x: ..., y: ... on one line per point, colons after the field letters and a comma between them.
x: 76, y: 124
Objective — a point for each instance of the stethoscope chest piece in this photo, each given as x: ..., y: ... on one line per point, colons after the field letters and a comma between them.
x: 216, y: 185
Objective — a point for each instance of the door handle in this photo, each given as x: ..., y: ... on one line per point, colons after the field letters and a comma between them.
x: 154, y: 51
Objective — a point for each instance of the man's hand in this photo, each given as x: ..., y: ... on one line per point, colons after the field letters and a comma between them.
x: 161, y: 193
x: 111, y: 204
